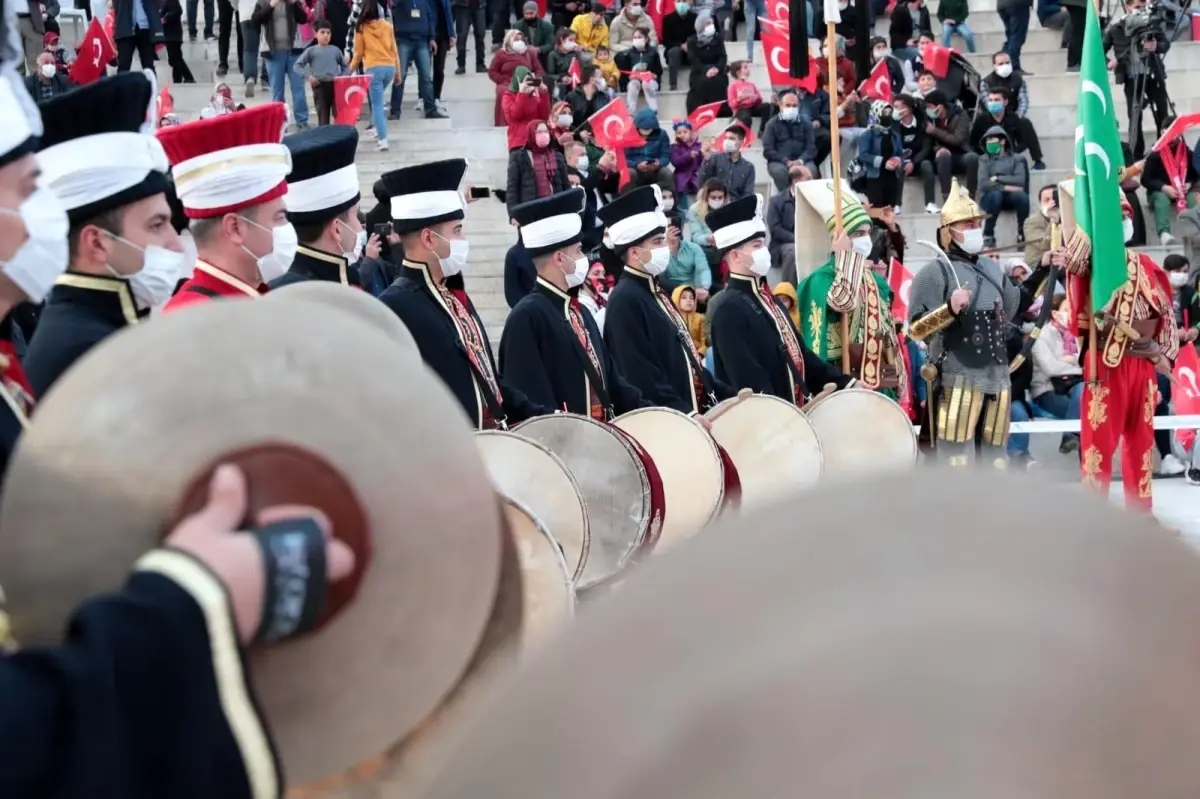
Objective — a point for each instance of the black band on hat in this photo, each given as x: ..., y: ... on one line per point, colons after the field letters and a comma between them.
x: 295, y: 580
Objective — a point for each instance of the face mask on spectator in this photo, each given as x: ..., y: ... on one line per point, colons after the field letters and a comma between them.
x: 601, y: 84
x: 541, y: 139
x: 709, y: 31
x: 639, y: 43
x: 682, y: 8
x: 730, y: 145
x: 993, y: 147
x: 861, y: 244
x: 635, y: 11
x: 668, y: 203
x: 932, y: 113
x: 995, y: 106
x: 879, y: 52
x: 789, y: 113
x: 565, y: 120
x: 48, y: 70
x: 1127, y: 229
x: 518, y: 46
x: 581, y: 163
x: 1004, y: 70
x: 972, y: 241
x: 715, y: 203
x: 1178, y: 279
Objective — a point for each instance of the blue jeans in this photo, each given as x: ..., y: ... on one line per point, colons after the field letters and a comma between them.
x: 962, y: 30
x: 1018, y: 443
x: 414, y: 51
x: 281, y: 65
x: 209, y: 17
x: 753, y: 10
x: 381, y: 78
x: 250, y: 42
x: 1062, y: 406
x: 1016, y: 28
x: 997, y: 200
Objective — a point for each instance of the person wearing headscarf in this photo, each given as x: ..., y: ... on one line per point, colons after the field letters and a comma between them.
x: 707, y: 62
x: 537, y: 170
x: 525, y: 100
x: 516, y: 52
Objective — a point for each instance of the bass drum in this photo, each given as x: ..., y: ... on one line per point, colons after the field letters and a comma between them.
x: 620, y: 486
x: 537, y: 479
x: 772, y: 444
x: 862, y: 432
x: 688, y: 462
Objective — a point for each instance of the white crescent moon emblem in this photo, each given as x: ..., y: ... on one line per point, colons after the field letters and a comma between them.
x: 620, y: 129
x: 350, y: 92
x: 905, y: 287
x: 1090, y: 87
x: 882, y: 83
x: 705, y: 118
x: 776, y: 55
x: 1091, y: 148
x: 782, y: 12
x: 99, y: 51
x: 1186, y: 375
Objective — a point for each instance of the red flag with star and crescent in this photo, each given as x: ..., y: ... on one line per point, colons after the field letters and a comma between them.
x: 349, y: 94
x: 777, y: 49
x: 612, y: 127
x: 878, y: 85
x: 95, y: 51
x: 900, y: 281
x: 656, y: 10
x: 1186, y: 397
x: 575, y: 72
x: 704, y: 114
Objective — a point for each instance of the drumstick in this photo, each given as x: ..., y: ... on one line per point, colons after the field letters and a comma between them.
x: 743, y: 393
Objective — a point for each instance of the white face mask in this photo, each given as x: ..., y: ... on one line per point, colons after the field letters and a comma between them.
x: 715, y: 204
x: 668, y: 204
x: 639, y: 44
x: 660, y: 257
x: 1046, y: 210
x: 153, y: 284
x: 972, y: 241
x: 456, y: 261
x: 760, y: 261
x: 729, y: 145
x: 709, y: 30
x: 601, y: 84
x: 518, y: 46
x: 1178, y: 279
x: 1004, y: 70
x: 283, y: 251
x: 1127, y: 228
x: 48, y: 70
x: 579, y: 274
x: 635, y: 11
x: 789, y: 113
x: 360, y: 242
x: 582, y: 164
x: 43, y: 257
x: 861, y: 244
x: 565, y: 120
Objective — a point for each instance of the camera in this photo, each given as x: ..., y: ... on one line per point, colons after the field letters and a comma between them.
x: 1146, y: 21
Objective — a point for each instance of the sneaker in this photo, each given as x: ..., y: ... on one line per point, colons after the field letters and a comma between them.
x: 222, y: 70
x: 381, y: 145
x: 1038, y: 166
x: 442, y: 107
x: 480, y: 67
x: 931, y: 208
x: 462, y: 70
x: 192, y: 36
x: 1166, y: 239
x: 249, y: 88
x: 1192, y: 476
x: 419, y: 105
x: 1069, y: 444
x: 436, y: 113
x: 1171, y: 466
x: 208, y: 37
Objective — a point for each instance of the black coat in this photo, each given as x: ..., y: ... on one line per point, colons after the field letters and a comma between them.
x: 629, y: 61
x: 648, y: 346
x: 701, y: 57
x: 677, y: 29
x: 902, y: 29
x: 172, y: 21
x: 80, y: 312
x: 313, y: 264
x: 541, y: 356
x: 522, y: 183
x: 125, y: 703
x: 747, y: 347
x: 414, y: 298
x: 15, y: 407
x: 123, y: 10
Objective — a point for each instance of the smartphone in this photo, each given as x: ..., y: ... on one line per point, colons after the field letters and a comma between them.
x: 480, y: 192
x: 383, y: 230
x: 534, y: 80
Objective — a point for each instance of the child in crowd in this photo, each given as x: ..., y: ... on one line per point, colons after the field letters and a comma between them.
x: 686, y: 156
x: 608, y: 68
x: 641, y: 70
x: 786, y: 294
x: 926, y: 82
x: 593, y: 294
x: 558, y: 62
x: 684, y: 298
x: 671, y: 209
x: 744, y: 98
x: 321, y: 63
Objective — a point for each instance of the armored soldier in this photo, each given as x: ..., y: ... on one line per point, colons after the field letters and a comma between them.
x: 959, y: 305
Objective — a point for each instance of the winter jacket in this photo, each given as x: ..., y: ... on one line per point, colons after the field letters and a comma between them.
x: 952, y: 131
x: 1008, y: 168
x: 657, y: 146
x: 124, y: 16
x: 1048, y: 360
x: 539, y: 35
x: 914, y: 141
x: 738, y: 175
x: 815, y: 105
x: 519, y: 273
x: 695, y: 319
x: 504, y: 64
x: 698, y: 229
x: 420, y: 28
x: 172, y: 21
x: 1014, y: 85
x: 689, y: 265
x: 781, y: 220
x: 743, y: 94
x: 1154, y: 173
x: 557, y: 64
x: 871, y: 152
x: 588, y: 35
x: 953, y: 9
x: 582, y: 108
x: 985, y: 121
x: 520, y: 109
x: 676, y: 29
x: 632, y: 60
x: 701, y: 57
x: 522, y: 184
x: 902, y: 30
x: 686, y: 158
x: 789, y: 141
x: 1118, y: 41
x: 262, y: 17
x: 621, y: 30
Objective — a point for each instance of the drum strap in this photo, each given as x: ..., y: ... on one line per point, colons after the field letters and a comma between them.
x: 589, y: 369
x: 495, y: 410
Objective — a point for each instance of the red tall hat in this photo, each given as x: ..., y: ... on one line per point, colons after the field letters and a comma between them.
x: 226, y: 163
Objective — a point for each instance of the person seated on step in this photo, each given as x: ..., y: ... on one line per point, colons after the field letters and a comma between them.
x: 688, y: 265
x: 588, y: 97
x: 908, y: 20
x: 948, y: 128
x: 677, y: 28
x: 537, y: 170
x: 843, y: 66
x: 1003, y: 182
x: 563, y: 12
x: 635, y: 63
x: 713, y: 194
x: 558, y: 62
x: 953, y: 16
x: 880, y: 158
x: 707, y: 59
x: 1169, y: 192
x: 625, y: 25
x: 1019, y: 129
x: 927, y: 83
x: 916, y: 146
x: 781, y: 226
x: 895, y: 65
x: 538, y: 33
x: 591, y: 31
x: 608, y: 70
x: 1057, y: 387
x: 789, y: 141
x: 744, y: 98
x: 729, y: 165
x: 650, y: 162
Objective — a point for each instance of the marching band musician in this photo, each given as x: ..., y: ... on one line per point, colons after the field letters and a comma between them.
x: 1136, y: 337
x: 755, y: 345
x: 427, y: 213
x: 960, y: 306
x: 551, y: 348
x: 231, y: 176
x: 846, y: 284
x: 322, y: 204
x: 649, y: 340
x: 125, y: 256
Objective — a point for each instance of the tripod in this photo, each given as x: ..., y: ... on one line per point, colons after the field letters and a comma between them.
x: 1150, y: 79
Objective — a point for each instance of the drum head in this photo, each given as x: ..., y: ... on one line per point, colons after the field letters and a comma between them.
x: 548, y: 585
x: 614, y: 483
x: 772, y: 444
x: 137, y: 423
x: 688, y: 463
x: 535, y: 477
x: 862, y: 432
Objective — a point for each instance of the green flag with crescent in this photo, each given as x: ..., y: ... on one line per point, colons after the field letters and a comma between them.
x: 1098, y: 162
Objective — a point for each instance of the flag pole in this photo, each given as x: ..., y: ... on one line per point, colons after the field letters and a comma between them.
x: 835, y: 166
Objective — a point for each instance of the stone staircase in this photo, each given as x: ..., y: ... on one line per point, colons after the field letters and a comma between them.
x: 469, y: 132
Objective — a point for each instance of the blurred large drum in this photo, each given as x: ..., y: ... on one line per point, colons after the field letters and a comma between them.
x: 862, y: 432
x: 771, y: 442
x: 689, y: 463
x: 620, y: 486
x: 537, y: 479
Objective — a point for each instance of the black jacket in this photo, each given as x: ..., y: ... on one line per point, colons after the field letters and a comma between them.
x: 522, y: 183
x: 123, y: 10
x: 55, y: 86
x: 676, y: 30
x: 1116, y: 40
x: 917, y: 145
x: 519, y: 274
x: 80, y: 312
x: 1154, y: 173
x: 647, y: 60
x: 313, y: 264
x: 172, y: 21
x: 582, y: 108
x: 702, y: 56
x: 901, y: 30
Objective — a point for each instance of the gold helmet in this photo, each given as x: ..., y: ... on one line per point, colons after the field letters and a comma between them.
x: 959, y: 206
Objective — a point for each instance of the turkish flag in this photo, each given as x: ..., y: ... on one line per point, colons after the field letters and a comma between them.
x: 575, y: 72
x: 704, y: 114
x: 166, y: 105
x: 749, y: 139
x: 936, y: 59
x: 1186, y: 396
x: 656, y: 10
x: 1176, y: 160
x: 349, y: 94
x: 95, y: 51
x: 777, y: 48
x: 900, y: 281
x: 613, y: 127
x: 878, y: 85
x: 644, y: 77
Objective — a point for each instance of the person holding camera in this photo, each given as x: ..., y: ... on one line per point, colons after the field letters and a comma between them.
x: 1136, y: 47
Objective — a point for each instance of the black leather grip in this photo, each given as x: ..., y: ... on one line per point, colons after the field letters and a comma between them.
x: 295, y: 576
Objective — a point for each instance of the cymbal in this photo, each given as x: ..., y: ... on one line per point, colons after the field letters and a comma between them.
x: 356, y: 302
